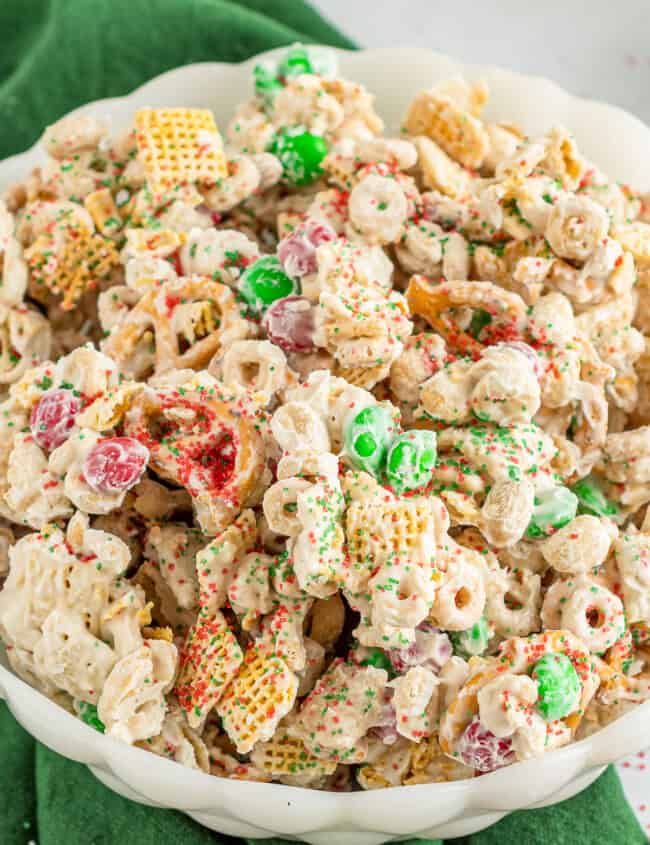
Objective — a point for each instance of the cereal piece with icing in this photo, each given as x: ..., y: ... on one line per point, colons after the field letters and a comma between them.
x: 416, y: 703
x: 287, y: 759
x: 458, y: 132
x: 177, y: 741
x: 209, y: 660
x: 579, y: 546
x: 132, y: 704
x: 261, y: 694
x: 355, y: 695
x: 633, y: 560
x: 173, y: 547
x: 51, y: 571
x: 35, y: 494
x: 202, y: 440
x: 70, y: 657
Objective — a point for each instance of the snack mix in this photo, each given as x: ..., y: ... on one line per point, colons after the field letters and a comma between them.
x: 325, y: 455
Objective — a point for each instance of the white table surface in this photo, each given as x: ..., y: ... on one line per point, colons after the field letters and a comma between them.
x: 602, y: 53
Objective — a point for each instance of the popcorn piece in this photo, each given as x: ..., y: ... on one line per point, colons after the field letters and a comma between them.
x: 132, y: 704
x: 633, y: 559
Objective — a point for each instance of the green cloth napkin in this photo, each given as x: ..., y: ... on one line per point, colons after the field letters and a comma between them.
x: 59, y: 54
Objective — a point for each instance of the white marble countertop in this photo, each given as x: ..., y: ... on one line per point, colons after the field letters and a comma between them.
x: 602, y: 53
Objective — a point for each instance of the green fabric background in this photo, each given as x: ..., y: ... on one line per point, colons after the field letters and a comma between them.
x: 59, y: 54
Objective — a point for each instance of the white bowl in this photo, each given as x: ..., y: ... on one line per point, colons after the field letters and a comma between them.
x: 617, y: 142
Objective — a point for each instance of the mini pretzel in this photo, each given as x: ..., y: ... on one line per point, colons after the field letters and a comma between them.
x: 177, y: 146
x: 209, y: 660
x: 74, y: 267
x: 431, y: 301
x: 464, y: 707
x: 208, y: 319
x: 202, y: 441
x: 615, y: 684
x: 263, y: 692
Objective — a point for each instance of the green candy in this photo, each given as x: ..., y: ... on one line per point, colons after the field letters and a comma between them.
x: 411, y: 459
x: 558, y: 686
x: 296, y: 61
x: 367, y: 437
x: 553, y: 509
x: 473, y: 641
x: 264, y: 281
x: 591, y: 498
x: 480, y: 319
x: 267, y: 85
x: 88, y: 714
x: 378, y: 659
x: 300, y: 153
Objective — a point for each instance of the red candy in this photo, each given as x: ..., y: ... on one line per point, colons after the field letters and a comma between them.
x: 482, y: 750
x: 115, y: 464
x: 416, y: 655
x: 289, y: 323
x: 52, y: 419
x: 297, y: 252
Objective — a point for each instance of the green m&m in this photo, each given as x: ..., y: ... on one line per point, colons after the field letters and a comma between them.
x: 591, y: 499
x: 558, y: 686
x: 480, y: 319
x: 264, y: 281
x: 472, y: 641
x: 379, y: 659
x: 295, y: 62
x: 267, y: 84
x: 411, y: 459
x: 88, y: 714
x: 300, y: 153
x: 553, y: 509
x: 367, y: 437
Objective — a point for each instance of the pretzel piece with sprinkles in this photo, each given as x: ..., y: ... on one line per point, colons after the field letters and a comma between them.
x: 187, y: 322
x: 436, y: 303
